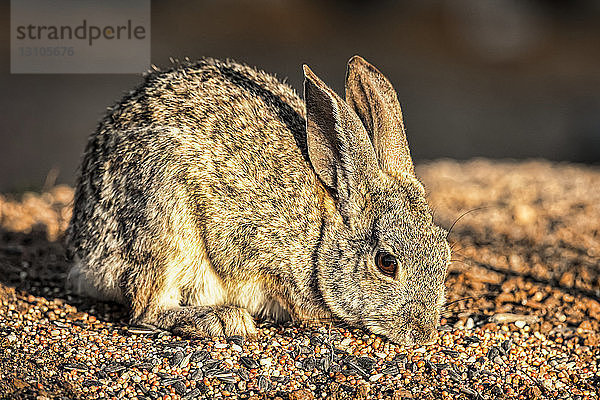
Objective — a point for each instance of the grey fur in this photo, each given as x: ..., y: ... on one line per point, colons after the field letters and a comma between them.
x: 212, y: 194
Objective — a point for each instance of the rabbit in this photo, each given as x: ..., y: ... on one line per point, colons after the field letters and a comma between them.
x: 212, y: 195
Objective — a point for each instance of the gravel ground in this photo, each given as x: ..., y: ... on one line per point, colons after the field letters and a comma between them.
x: 522, y: 320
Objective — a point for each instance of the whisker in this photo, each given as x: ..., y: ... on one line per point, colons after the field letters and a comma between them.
x: 453, y: 245
x: 465, y: 213
x: 457, y: 300
x: 462, y: 262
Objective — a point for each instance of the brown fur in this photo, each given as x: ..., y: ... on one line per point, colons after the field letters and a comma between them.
x: 212, y: 194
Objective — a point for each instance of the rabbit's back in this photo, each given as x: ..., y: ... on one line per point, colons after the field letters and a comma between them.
x: 198, y: 176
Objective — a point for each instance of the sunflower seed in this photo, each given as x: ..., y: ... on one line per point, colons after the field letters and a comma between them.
x: 454, y: 376
x: 177, y: 343
x: 227, y: 378
x: 210, y: 364
x: 243, y: 374
x: 236, y: 339
x: 141, y: 330
x: 451, y: 353
x: 353, y: 366
x: 184, y: 361
x: 214, y: 372
x: 147, y: 366
x: 366, y: 363
x: 110, y: 368
x: 249, y: 362
x: 76, y: 367
x: 391, y: 370
x: 324, y: 364
x: 309, y: 363
x: 171, y: 381
x: 264, y: 384
x: 141, y: 388
x: 468, y: 391
x: 506, y: 345
x: 179, y: 387
x: 199, y: 356
x: 472, y: 339
x: 315, y: 341
x: 197, y: 374
x: 193, y: 394
x: 176, y: 358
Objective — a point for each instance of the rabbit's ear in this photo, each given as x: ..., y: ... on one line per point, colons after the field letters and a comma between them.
x: 374, y: 100
x: 338, y: 145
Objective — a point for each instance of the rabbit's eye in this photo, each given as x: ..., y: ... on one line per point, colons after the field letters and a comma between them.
x: 386, y: 263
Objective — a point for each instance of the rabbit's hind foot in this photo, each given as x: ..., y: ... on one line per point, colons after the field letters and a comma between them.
x: 207, y: 321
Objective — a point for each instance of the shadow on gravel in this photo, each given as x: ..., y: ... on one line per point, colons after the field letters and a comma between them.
x: 34, y: 265
x: 557, y: 258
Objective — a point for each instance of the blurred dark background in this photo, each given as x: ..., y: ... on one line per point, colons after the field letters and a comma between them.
x: 501, y: 79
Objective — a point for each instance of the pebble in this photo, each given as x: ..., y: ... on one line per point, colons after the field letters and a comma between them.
x: 520, y: 324
x: 266, y: 362
x: 470, y: 324
x: 236, y: 347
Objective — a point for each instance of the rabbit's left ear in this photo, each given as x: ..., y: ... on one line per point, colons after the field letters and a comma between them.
x: 339, y: 148
x: 374, y: 100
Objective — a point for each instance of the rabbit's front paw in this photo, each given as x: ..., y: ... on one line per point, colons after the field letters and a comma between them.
x: 203, y: 321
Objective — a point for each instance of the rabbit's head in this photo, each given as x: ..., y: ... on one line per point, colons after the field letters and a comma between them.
x: 383, y: 264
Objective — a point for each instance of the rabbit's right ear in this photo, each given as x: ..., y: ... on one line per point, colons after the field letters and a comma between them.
x: 371, y: 95
x: 339, y: 147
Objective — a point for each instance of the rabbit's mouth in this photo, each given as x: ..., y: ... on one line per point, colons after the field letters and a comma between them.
x: 409, y: 328
x: 411, y: 337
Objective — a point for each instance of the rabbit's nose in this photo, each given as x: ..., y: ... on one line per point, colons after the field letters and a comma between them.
x: 423, y: 323
x: 424, y: 336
